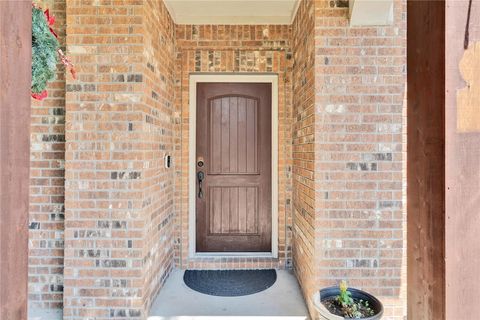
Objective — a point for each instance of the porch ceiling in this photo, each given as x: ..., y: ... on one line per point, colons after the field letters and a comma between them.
x: 232, y: 11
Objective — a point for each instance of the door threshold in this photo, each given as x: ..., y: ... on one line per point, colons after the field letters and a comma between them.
x: 233, y: 255
x: 228, y: 318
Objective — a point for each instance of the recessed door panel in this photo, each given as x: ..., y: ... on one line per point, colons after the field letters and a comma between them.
x: 233, y: 210
x: 233, y: 124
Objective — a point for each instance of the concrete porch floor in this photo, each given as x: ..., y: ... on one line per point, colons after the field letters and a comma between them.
x: 283, y: 301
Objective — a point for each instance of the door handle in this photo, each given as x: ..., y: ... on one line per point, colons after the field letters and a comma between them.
x: 200, y: 178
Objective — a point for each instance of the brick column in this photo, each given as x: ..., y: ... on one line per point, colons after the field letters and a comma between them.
x: 359, y: 153
x: 103, y: 162
x: 348, y: 152
x: 47, y: 155
x: 118, y: 242
x: 303, y: 147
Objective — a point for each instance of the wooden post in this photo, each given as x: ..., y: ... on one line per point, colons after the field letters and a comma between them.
x: 443, y: 159
x: 15, y: 82
x: 462, y: 153
x: 426, y: 159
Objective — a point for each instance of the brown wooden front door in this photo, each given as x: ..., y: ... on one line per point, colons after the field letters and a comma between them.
x: 234, y: 201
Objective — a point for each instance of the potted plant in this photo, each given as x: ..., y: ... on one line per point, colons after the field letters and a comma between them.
x: 339, y: 303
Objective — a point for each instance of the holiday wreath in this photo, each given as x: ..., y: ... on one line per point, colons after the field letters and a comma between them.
x: 46, y: 52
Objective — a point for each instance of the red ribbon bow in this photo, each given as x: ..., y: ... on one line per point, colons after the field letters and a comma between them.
x: 40, y: 96
x: 50, y: 21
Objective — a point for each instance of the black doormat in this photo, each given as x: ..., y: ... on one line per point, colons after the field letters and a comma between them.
x: 229, y: 283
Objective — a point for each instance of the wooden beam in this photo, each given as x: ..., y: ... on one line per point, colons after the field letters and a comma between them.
x: 15, y: 79
x: 462, y: 149
x: 426, y: 160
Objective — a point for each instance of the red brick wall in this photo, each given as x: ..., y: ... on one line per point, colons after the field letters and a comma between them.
x: 159, y: 127
x: 119, y: 197
x: 45, y: 264
x: 234, y: 48
x: 360, y: 78
x: 303, y: 144
x: 341, y: 154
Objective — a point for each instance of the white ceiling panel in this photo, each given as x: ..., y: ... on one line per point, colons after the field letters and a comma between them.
x: 232, y: 11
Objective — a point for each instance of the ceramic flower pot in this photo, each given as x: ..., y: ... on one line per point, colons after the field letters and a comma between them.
x: 332, y: 292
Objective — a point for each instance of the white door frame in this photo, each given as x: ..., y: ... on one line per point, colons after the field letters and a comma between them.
x: 230, y: 77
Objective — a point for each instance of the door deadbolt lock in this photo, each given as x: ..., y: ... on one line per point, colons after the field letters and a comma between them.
x: 200, y: 162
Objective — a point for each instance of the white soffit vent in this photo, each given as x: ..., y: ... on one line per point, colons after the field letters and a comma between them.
x: 232, y: 11
x: 371, y: 12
